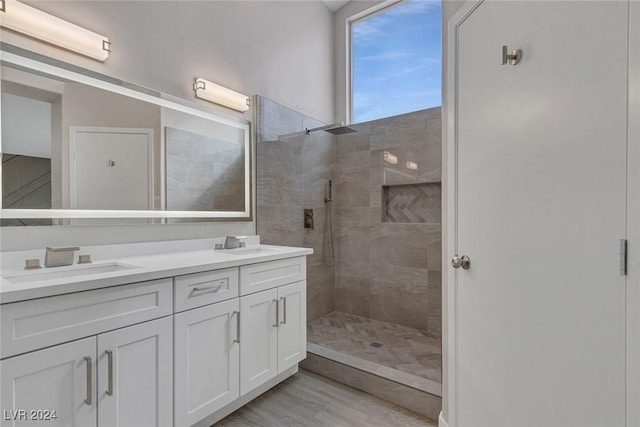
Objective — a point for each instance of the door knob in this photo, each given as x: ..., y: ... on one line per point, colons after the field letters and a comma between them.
x: 461, y: 261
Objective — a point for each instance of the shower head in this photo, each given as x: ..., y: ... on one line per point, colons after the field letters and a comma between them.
x: 335, y: 128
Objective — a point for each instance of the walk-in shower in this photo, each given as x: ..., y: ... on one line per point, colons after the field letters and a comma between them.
x: 374, y: 280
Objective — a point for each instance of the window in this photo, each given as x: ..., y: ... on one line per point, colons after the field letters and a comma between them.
x: 396, y: 60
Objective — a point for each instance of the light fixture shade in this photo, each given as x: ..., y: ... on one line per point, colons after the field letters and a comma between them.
x: 35, y: 23
x: 220, y: 95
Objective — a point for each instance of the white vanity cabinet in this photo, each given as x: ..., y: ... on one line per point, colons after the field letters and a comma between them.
x: 259, y: 332
x: 292, y: 327
x: 207, y: 360
x: 59, y: 381
x: 274, y: 330
x: 227, y: 349
x: 135, y: 375
x: 119, y: 378
x: 179, y: 351
x: 107, y: 376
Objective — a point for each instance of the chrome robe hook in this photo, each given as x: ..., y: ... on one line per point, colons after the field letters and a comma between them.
x: 512, y: 58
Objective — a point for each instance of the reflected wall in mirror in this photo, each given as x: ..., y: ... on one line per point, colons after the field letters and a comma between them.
x: 83, y: 145
x: 203, y: 173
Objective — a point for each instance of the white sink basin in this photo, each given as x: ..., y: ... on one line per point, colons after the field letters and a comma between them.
x: 246, y: 251
x: 53, y: 273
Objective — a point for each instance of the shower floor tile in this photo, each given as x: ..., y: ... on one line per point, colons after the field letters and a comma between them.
x: 399, y: 347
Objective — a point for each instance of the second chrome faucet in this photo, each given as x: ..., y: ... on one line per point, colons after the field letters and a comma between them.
x: 57, y: 257
x: 233, y: 242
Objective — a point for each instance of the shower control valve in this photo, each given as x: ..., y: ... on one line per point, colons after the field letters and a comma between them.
x: 308, y: 218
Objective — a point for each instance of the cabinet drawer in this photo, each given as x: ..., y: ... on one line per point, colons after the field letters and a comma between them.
x: 40, y: 323
x: 199, y: 289
x: 267, y: 275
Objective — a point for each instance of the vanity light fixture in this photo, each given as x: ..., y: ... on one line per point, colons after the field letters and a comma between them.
x: 412, y: 166
x: 390, y: 158
x: 220, y: 95
x: 35, y: 23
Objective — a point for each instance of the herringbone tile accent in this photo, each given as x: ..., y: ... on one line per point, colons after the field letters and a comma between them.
x: 412, y: 203
x: 406, y: 349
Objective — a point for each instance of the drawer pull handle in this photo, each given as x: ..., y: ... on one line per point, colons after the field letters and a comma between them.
x: 237, y: 314
x: 207, y: 289
x: 284, y: 310
x: 277, y: 324
x: 89, y: 399
x: 109, y: 373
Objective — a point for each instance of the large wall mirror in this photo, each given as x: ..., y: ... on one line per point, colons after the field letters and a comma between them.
x: 83, y: 148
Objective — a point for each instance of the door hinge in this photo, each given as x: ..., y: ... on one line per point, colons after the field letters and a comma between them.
x: 623, y: 256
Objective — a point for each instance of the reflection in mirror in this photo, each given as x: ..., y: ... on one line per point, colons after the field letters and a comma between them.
x: 203, y: 173
x: 68, y: 143
x: 26, y: 161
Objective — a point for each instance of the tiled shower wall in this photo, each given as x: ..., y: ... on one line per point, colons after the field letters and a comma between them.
x: 385, y: 270
x: 292, y: 172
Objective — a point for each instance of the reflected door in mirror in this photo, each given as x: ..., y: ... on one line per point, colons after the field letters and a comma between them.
x: 111, y: 168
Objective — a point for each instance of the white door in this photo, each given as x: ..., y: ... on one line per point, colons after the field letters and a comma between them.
x: 111, y: 168
x: 541, y: 166
x: 135, y: 372
x: 59, y: 381
x: 206, y: 360
x: 259, y: 339
x: 292, y: 330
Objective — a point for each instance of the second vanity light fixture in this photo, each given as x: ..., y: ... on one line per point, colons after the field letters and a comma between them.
x: 220, y: 95
x: 35, y: 23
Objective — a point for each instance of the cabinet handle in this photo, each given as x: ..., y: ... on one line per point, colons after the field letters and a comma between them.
x: 206, y: 289
x: 277, y: 324
x: 237, y: 313
x: 284, y: 310
x: 109, y: 373
x: 89, y: 399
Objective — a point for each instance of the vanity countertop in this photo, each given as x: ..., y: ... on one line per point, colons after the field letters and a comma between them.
x: 173, y: 259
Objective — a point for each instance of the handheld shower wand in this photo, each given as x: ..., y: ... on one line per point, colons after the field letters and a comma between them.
x: 329, y: 195
x: 327, y: 242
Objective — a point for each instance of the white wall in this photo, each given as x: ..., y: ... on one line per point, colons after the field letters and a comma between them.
x: 27, y: 137
x: 279, y: 49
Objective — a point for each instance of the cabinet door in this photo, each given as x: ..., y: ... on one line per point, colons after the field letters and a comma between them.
x: 59, y: 379
x: 258, y: 339
x: 135, y: 373
x: 292, y: 330
x: 207, y: 360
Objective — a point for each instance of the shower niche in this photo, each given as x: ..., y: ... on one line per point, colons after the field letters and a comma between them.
x: 412, y: 203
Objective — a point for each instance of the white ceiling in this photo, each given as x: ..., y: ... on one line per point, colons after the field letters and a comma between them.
x: 335, y: 4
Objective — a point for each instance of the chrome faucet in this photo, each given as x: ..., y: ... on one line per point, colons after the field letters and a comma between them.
x: 233, y: 242
x: 57, y: 257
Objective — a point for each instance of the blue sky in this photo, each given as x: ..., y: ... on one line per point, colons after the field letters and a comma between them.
x: 397, y: 61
